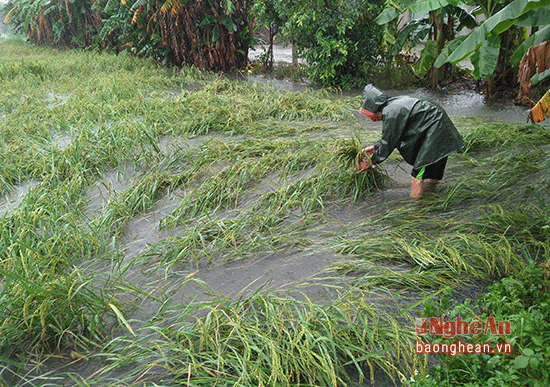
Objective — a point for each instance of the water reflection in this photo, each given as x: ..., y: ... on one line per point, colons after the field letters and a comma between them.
x: 456, y: 103
x: 470, y: 103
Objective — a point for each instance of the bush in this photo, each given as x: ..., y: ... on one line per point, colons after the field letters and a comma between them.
x: 524, y: 302
x: 340, y: 41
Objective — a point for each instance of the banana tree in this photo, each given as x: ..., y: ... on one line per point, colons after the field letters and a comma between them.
x: 534, y: 67
x: 445, y: 18
x: 486, y: 45
x: 66, y: 24
x: 209, y: 34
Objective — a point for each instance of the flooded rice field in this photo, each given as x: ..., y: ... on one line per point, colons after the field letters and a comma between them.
x: 161, y: 234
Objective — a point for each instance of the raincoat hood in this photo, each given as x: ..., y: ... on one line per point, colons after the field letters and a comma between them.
x: 373, y: 99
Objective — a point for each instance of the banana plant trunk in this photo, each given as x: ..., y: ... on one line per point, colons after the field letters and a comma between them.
x: 503, y: 75
x: 439, y: 35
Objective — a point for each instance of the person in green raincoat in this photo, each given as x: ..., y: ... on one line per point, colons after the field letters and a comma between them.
x: 421, y: 131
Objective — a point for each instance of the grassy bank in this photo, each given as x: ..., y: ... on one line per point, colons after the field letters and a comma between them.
x: 155, y: 225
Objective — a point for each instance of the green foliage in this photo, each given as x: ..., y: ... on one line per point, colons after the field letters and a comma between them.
x: 68, y: 25
x: 490, y: 135
x: 139, y: 28
x: 444, y: 21
x: 46, y: 303
x: 212, y: 35
x: 483, y: 44
x: 495, y: 24
x: 522, y: 300
x: 358, y: 185
x: 489, y: 46
x: 124, y: 36
x: 29, y: 69
x: 427, y: 58
x: 269, y: 14
x: 338, y: 39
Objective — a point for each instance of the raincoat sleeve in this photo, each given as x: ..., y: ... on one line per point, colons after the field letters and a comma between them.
x: 394, y: 120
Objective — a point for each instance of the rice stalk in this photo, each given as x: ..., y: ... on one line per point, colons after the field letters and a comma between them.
x: 489, y: 135
x: 258, y: 175
x: 268, y: 340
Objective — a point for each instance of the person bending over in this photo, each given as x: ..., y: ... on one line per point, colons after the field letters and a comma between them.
x: 421, y: 131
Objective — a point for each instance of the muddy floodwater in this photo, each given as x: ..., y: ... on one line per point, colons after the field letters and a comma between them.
x: 299, y: 271
x: 309, y: 250
x: 459, y: 103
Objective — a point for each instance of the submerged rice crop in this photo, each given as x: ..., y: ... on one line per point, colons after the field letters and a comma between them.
x: 262, y: 258
x: 264, y: 339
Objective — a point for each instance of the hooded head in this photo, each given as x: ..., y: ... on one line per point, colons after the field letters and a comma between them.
x: 373, y: 101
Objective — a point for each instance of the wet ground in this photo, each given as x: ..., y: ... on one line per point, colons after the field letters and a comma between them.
x: 280, y: 53
x: 298, y: 270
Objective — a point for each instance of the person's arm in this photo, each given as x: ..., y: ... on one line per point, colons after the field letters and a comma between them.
x: 394, y: 125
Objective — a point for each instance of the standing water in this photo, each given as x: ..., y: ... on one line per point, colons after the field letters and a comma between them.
x: 295, y: 250
x: 457, y: 103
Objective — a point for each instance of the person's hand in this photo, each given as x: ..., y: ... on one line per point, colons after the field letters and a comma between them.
x: 364, y: 164
x: 369, y: 150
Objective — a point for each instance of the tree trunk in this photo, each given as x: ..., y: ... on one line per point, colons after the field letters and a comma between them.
x: 439, y: 37
x: 503, y: 75
x: 269, y: 59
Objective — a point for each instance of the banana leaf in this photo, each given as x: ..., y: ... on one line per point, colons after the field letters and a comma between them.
x: 539, y: 77
x: 392, y: 11
x: 541, y: 111
x: 485, y: 58
x: 493, y: 26
x: 538, y: 37
x: 426, y: 6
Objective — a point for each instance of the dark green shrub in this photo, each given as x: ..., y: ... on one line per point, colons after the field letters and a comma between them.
x: 340, y: 40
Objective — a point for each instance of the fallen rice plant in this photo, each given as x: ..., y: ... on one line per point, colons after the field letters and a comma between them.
x: 259, y: 173
x: 268, y: 340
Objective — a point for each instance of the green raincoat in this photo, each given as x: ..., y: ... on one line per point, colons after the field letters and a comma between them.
x: 420, y: 130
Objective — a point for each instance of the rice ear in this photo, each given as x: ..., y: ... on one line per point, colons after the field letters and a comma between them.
x: 349, y: 151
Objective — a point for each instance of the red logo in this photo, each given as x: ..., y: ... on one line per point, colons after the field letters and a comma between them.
x: 421, y: 326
